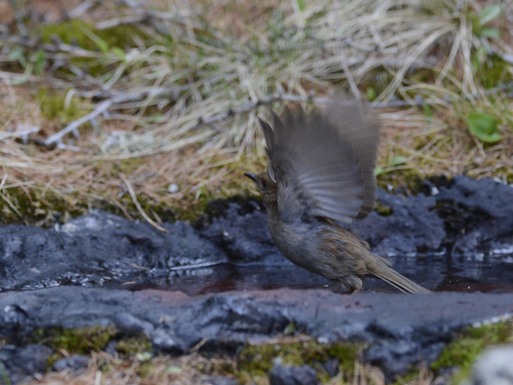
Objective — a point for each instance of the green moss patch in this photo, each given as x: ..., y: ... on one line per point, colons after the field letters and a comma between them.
x: 76, y: 341
x: 257, y: 360
x: 55, y: 106
x: 463, y: 351
x: 31, y: 206
x: 79, y: 33
x: 97, y: 50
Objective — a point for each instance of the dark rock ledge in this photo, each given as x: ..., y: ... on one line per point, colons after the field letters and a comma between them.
x: 400, y: 330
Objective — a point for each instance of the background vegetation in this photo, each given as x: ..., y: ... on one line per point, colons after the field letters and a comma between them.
x: 149, y: 108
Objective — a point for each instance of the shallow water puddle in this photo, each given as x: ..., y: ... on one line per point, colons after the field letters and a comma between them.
x: 435, y: 273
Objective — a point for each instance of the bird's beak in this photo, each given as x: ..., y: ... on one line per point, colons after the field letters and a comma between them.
x: 251, y: 176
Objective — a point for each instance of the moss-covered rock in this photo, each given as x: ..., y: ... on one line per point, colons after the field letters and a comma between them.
x: 256, y: 361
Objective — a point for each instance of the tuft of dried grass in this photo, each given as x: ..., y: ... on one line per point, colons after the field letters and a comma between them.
x: 193, y: 369
x: 106, y: 369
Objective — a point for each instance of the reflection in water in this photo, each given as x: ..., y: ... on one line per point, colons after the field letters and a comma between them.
x: 438, y: 273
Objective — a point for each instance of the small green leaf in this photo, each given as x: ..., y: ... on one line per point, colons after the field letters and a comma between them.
x: 371, y: 94
x: 300, y: 5
x: 489, y: 13
x: 428, y: 111
x: 491, y: 33
x: 39, y: 60
x: 378, y: 171
x: 398, y: 160
x: 174, y: 369
x: 144, y: 356
x: 18, y: 54
x: 290, y: 329
x: 484, y: 127
x: 5, y: 375
x: 478, y: 58
x: 120, y: 54
x: 102, y: 45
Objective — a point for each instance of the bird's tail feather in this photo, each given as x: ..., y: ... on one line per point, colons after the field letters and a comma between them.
x: 399, y: 281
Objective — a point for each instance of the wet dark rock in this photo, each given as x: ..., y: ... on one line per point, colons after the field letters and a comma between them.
x: 22, y: 362
x: 400, y: 330
x: 242, y: 233
x: 97, y: 249
x: 74, y: 362
x: 117, y: 242
x: 292, y: 375
x: 455, y: 235
x: 410, y: 227
x: 478, y: 215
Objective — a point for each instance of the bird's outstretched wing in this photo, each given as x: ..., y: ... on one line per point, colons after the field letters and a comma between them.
x: 323, y: 163
x: 362, y: 132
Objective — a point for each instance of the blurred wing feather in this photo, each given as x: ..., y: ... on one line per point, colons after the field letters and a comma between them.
x: 361, y: 130
x: 318, y: 163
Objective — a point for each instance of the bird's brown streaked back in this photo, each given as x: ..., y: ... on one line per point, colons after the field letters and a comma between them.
x: 323, y: 162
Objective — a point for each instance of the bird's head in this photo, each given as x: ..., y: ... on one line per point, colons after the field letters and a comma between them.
x: 266, y: 186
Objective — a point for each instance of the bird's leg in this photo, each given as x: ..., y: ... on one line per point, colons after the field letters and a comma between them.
x: 347, y: 285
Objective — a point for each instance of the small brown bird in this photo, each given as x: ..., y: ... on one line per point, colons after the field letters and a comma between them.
x: 320, y: 177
